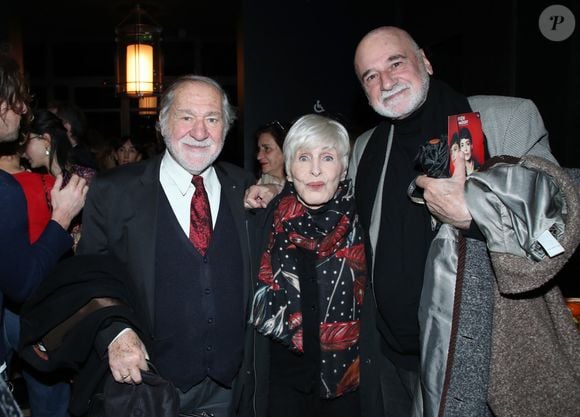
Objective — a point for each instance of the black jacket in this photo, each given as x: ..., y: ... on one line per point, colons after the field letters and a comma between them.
x: 120, y: 218
x: 60, y: 323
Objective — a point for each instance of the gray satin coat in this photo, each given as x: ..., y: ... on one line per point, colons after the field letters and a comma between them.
x: 468, y: 370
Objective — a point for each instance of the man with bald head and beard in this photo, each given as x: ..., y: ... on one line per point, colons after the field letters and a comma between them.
x: 396, y: 76
x: 192, y: 287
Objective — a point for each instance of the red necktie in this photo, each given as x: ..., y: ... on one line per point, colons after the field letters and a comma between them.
x: 200, y: 226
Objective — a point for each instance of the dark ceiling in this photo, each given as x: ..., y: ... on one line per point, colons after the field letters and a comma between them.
x: 96, y: 19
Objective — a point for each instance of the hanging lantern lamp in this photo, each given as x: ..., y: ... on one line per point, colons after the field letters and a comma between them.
x: 148, y: 106
x: 139, y: 58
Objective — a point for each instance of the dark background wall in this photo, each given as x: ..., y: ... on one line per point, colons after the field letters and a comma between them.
x: 299, y: 53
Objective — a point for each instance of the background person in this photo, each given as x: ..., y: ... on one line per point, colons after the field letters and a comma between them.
x: 270, y: 141
x: 36, y: 187
x: 74, y: 121
x: 127, y: 150
x: 47, y: 147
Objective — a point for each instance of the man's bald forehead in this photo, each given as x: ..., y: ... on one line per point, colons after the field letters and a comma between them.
x: 386, y: 32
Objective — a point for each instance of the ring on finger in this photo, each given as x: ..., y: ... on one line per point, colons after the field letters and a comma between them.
x: 123, y: 377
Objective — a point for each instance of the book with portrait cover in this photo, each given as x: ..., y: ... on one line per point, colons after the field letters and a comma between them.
x: 465, y: 134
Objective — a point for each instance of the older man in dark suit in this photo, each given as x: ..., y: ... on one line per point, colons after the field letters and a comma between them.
x: 193, y: 283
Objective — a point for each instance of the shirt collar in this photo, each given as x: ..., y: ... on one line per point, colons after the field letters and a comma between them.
x: 182, y: 178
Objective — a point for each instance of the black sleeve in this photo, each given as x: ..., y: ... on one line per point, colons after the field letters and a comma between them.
x: 106, y: 335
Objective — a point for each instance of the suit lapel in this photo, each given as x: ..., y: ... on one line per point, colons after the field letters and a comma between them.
x: 369, y: 171
x: 142, y: 229
x: 234, y: 193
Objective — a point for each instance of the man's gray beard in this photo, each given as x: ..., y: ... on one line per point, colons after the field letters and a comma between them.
x: 195, y: 170
x: 415, y: 101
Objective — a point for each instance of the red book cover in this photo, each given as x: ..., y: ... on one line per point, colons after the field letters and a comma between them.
x: 465, y: 134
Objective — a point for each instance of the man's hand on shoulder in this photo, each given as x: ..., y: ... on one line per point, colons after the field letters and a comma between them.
x: 259, y: 196
x: 445, y: 197
x: 68, y: 201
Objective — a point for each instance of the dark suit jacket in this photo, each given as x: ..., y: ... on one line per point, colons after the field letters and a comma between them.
x: 82, y: 295
x: 120, y: 218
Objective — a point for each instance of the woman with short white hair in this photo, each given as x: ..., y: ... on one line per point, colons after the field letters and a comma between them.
x: 311, y: 278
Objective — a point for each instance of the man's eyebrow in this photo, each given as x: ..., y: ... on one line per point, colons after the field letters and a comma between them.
x: 392, y: 58
x: 397, y: 57
x: 189, y: 112
x: 364, y: 74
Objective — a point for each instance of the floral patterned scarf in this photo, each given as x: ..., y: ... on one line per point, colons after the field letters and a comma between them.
x: 334, y: 233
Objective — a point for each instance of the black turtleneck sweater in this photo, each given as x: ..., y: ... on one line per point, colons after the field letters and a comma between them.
x: 405, y: 230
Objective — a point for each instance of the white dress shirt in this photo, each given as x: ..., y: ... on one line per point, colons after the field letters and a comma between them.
x: 176, y: 183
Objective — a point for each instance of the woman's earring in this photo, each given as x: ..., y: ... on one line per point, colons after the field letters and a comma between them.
x: 46, y: 152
